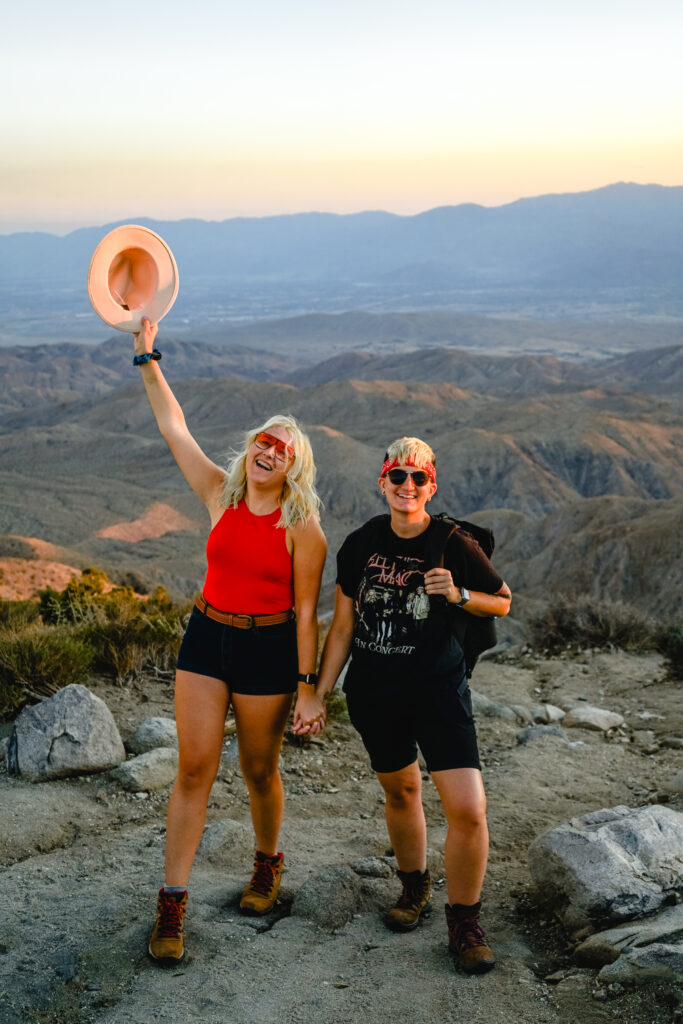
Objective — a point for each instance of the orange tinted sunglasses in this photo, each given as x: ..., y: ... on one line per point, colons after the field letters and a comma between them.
x: 283, y: 451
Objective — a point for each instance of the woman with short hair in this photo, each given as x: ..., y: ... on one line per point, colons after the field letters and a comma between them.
x: 407, y: 687
x: 251, y: 640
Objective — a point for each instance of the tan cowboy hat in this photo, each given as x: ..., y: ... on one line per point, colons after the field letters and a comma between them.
x: 132, y: 274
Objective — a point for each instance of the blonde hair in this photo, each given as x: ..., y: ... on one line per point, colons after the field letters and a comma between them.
x: 299, y: 499
x: 411, y: 450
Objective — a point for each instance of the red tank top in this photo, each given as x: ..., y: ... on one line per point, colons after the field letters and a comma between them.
x: 250, y: 569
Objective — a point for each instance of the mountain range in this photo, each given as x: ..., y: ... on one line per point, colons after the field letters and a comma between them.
x: 615, y: 250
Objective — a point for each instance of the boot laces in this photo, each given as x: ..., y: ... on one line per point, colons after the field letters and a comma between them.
x: 411, y: 895
x: 469, y: 933
x: 263, y: 877
x: 170, y: 917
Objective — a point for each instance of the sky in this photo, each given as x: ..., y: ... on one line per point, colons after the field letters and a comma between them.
x: 217, y: 109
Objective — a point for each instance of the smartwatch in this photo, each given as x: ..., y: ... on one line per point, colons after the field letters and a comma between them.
x: 464, y: 598
x: 308, y: 677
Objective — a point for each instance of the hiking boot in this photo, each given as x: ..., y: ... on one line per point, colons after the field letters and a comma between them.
x: 260, y: 895
x: 466, y: 939
x: 413, y: 902
x: 166, y: 940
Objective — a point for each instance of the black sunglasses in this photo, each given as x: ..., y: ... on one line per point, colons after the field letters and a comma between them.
x: 399, y: 476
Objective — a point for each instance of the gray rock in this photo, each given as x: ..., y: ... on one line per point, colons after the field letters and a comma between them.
x: 227, y: 843
x: 535, y: 732
x: 585, y: 716
x: 482, y: 705
x: 330, y: 898
x: 72, y: 732
x: 546, y: 713
x: 523, y: 713
x: 153, y: 733
x: 658, y: 962
x: 4, y: 747
x: 602, y: 948
x: 230, y: 755
x: 609, y: 865
x: 676, y: 785
x: 374, y: 867
x: 153, y: 770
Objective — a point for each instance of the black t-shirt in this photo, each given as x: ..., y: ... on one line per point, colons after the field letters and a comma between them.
x: 398, y: 629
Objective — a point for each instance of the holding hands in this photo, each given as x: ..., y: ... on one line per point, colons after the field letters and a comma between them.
x: 310, y: 715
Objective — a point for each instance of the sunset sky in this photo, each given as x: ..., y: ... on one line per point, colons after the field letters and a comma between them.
x: 215, y: 109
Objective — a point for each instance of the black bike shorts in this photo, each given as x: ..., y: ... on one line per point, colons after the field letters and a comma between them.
x: 262, y: 660
x: 434, y: 715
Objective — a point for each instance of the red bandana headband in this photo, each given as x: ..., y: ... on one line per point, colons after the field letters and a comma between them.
x: 392, y: 463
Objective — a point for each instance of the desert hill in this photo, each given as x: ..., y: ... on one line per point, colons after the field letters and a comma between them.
x: 577, y: 466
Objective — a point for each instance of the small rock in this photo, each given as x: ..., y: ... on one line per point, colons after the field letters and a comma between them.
x: 587, y: 717
x: 226, y: 843
x: 535, y: 732
x: 373, y: 867
x: 330, y: 898
x: 677, y: 783
x: 153, y: 733
x: 153, y: 770
x: 524, y: 714
x: 605, y: 947
x: 673, y: 742
x: 657, y: 962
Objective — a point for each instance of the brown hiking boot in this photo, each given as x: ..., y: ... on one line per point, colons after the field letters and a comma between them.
x: 412, y: 904
x: 260, y: 895
x: 466, y: 939
x: 166, y: 940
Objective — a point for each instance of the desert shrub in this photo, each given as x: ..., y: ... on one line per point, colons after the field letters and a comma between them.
x: 132, y: 643
x: 17, y: 614
x: 669, y: 642
x: 337, y: 710
x: 570, y: 622
x: 36, y: 662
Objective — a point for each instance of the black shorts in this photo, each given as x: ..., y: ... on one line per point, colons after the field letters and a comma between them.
x: 434, y: 715
x: 258, y: 661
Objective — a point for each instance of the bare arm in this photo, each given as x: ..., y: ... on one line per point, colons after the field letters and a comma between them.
x: 204, y: 476
x: 440, y: 581
x: 311, y: 707
x: 308, y: 559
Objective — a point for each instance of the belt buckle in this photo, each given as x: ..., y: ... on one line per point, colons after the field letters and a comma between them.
x: 250, y: 620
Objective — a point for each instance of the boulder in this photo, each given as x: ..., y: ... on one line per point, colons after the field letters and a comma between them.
x: 153, y: 770
x: 153, y: 733
x: 658, y: 962
x: 72, y: 732
x: 374, y: 867
x: 330, y: 898
x: 483, y: 705
x: 587, y: 717
x: 535, y: 732
x: 664, y: 928
x: 546, y: 713
x: 610, y: 865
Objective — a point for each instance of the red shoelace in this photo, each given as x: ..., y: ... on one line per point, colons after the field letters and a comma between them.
x: 170, y: 918
x: 469, y: 933
x: 264, y: 875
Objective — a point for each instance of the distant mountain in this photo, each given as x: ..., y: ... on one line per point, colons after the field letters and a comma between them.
x: 620, y: 247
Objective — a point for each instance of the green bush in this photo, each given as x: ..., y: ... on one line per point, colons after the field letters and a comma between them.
x: 17, y: 614
x: 36, y: 662
x: 669, y: 642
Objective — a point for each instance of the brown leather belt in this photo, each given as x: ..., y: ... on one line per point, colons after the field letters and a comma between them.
x: 241, y: 621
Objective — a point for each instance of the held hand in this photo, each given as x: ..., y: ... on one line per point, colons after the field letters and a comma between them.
x: 144, y: 338
x: 309, y: 715
x: 440, y: 581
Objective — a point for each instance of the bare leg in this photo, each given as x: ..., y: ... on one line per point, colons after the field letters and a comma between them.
x: 201, y: 703
x: 405, y: 816
x: 467, y: 842
x: 261, y: 721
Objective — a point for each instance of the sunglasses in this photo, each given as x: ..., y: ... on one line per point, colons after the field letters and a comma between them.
x: 265, y: 441
x: 399, y: 476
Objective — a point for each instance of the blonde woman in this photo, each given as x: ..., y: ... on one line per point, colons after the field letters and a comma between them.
x: 406, y: 687
x: 251, y: 641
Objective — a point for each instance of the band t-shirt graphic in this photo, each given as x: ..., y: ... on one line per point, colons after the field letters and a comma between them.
x: 397, y: 627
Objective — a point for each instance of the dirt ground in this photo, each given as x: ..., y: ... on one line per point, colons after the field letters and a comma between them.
x: 83, y: 861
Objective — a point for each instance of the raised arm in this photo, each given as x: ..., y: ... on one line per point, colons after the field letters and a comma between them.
x: 204, y: 476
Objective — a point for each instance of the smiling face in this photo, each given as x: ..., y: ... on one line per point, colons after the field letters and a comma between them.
x: 407, y: 499
x: 269, y: 465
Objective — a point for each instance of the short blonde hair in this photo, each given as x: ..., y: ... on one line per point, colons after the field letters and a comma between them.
x: 411, y: 450
x: 299, y: 499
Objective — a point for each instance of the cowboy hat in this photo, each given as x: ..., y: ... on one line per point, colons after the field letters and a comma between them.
x: 132, y: 274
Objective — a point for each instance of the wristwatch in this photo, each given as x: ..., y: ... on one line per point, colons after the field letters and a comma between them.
x: 464, y: 597
x: 308, y: 677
